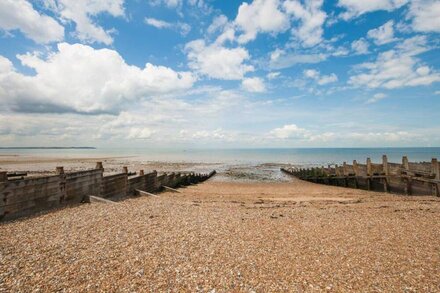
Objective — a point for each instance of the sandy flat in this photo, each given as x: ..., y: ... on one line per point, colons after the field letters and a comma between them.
x: 240, y: 237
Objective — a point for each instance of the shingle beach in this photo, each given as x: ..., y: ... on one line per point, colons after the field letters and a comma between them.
x: 230, y: 236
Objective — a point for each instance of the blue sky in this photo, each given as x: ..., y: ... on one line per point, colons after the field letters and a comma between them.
x: 200, y: 73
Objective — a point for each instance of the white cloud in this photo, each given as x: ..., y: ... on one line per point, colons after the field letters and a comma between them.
x: 311, y: 19
x: 290, y: 131
x: 260, y: 16
x: 157, y: 23
x: 253, y: 85
x: 360, y: 46
x: 425, y: 15
x: 217, y: 24
x: 321, y: 79
x: 383, y: 34
x: 273, y: 75
x: 217, y: 134
x: 80, y: 78
x: 82, y: 12
x: 183, y: 28
x: 216, y: 61
x: 311, y: 73
x: 356, y: 8
x: 168, y: 3
x: 19, y: 14
x: 140, y: 133
x: 326, y: 79
x: 397, y: 68
x: 376, y: 97
x: 280, y: 59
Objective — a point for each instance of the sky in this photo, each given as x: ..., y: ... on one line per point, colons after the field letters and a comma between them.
x: 228, y: 74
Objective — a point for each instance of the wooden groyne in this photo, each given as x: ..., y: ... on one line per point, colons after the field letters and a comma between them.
x: 27, y: 196
x: 406, y: 178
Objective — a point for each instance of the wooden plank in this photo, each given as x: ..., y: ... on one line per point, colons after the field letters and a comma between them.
x: 97, y: 199
x: 142, y: 192
x: 171, y: 189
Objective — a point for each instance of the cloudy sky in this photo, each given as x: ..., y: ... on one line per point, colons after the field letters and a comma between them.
x: 214, y: 73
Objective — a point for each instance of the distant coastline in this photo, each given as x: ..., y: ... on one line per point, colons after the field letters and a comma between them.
x: 47, y: 148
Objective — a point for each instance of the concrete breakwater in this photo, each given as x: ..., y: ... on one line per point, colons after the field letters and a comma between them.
x: 27, y: 196
x: 408, y: 178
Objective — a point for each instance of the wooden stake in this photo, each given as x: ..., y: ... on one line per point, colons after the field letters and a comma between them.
x: 369, y: 169
x: 3, y: 176
x: 385, y: 168
x: 60, y: 170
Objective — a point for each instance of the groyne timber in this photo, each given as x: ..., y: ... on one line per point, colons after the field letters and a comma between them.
x: 21, y: 196
x: 408, y: 178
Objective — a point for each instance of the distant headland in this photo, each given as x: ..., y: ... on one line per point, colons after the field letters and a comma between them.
x: 47, y: 148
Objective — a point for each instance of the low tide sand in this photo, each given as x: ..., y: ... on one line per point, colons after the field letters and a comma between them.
x: 290, y: 236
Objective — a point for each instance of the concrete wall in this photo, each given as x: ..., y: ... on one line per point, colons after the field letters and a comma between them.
x: 31, y: 195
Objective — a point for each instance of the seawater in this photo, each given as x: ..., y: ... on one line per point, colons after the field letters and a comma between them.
x: 296, y: 156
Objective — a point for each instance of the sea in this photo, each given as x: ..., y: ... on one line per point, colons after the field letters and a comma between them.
x: 258, y: 164
x: 295, y: 156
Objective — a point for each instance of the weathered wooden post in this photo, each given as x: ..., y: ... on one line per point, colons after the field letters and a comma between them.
x: 356, y: 173
x: 386, y: 171
x: 141, y: 173
x: 407, y: 180
x: 405, y: 164
x: 435, y: 171
x: 125, y: 170
x: 336, y: 180
x: 60, y: 170
x: 99, y: 166
x: 345, y: 173
x: 3, y: 176
x: 355, y: 168
x: 369, y: 173
x: 369, y: 167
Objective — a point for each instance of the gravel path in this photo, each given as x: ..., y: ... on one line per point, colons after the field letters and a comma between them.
x: 262, y: 237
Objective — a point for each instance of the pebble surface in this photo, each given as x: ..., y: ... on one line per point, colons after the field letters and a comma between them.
x: 230, y: 237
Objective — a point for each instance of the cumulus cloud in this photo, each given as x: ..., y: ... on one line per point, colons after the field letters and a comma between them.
x: 280, y: 59
x: 376, y: 97
x: 320, y: 79
x: 82, y: 13
x: 217, y: 61
x: 168, y: 3
x: 183, y: 28
x: 216, y: 134
x: 20, y: 15
x: 80, y: 78
x: 383, y: 34
x: 253, y: 85
x: 311, y: 19
x: 397, y: 68
x: 290, y: 131
x: 260, y: 16
x: 425, y: 15
x: 360, y: 47
x: 355, y: 8
x: 273, y: 75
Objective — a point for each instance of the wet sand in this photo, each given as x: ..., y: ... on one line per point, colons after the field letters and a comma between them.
x: 230, y: 236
